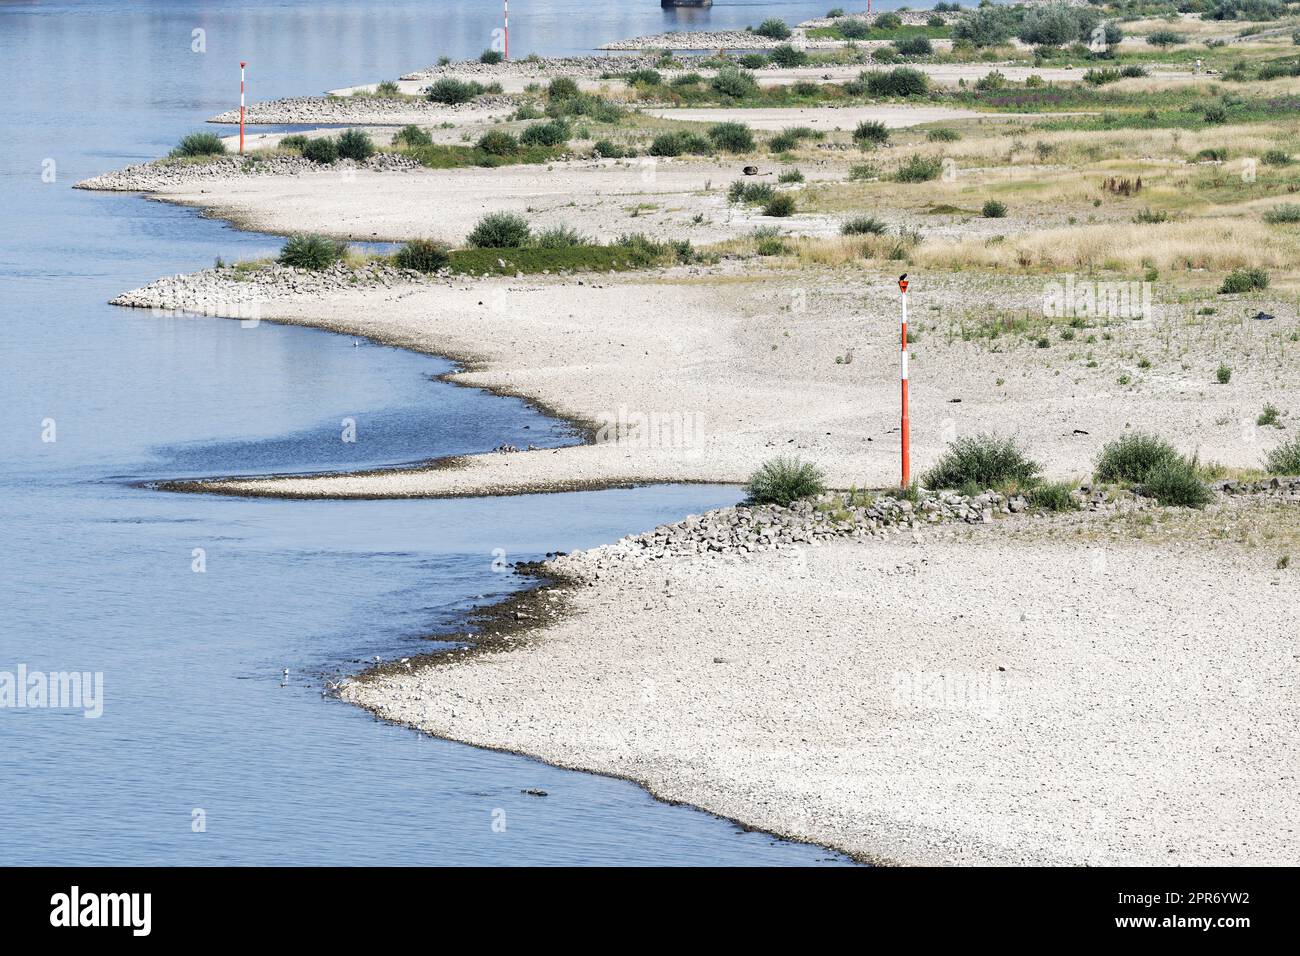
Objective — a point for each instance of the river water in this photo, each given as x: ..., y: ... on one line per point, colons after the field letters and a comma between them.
x: 192, y: 607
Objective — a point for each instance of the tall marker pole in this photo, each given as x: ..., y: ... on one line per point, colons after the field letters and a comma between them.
x: 907, y: 428
x: 242, y: 64
x: 507, y: 9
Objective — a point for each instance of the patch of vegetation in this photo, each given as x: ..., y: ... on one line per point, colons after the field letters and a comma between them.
x: 1223, y: 374
x: 1176, y: 482
x: 871, y: 133
x: 782, y: 480
x: 322, y: 149
x: 553, y: 133
x: 993, y: 209
x: 731, y: 82
x: 983, y: 460
x: 790, y: 176
x: 751, y: 192
x: 1131, y: 456
x: 199, y: 144
x: 1285, y: 213
x: 787, y: 56
x: 774, y: 29
x: 310, y: 251
x: 900, y: 81
x: 1285, y: 458
x: 1164, y: 38
x: 1269, y: 416
x: 451, y: 91
x: 355, y: 144
x: 863, y: 226
x: 919, y: 169
x: 1244, y: 280
x: 497, y: 142
x: 423, y: 255
x: 500, y: 230
x: 533, y: 260
x: 678, y: 143
x: 943, y: 134
x: 731, y: 137
x: 1053, y: 496
x: 412, y: 136
x: 780, y: 206
x: 490, y: 57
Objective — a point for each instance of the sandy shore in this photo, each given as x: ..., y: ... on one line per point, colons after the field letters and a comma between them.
x: 1003, y: 696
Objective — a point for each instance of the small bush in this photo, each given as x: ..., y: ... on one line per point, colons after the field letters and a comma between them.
x: 356, y: 145
x: 554, y: 133
x: 1285, y: 213
x: 731, y: 137
x: 994, y: 209
x: 1269, y: 416
x: 1285, y: 458
x: 943, y: 134
x: 854, y: 29
x: 1053, y: 496
x: 919, y: 169
x: 790, y: 176
x: 500, y: 230
x: 1277, y: 157
x: 451, y: 91
x: 773, y: 29
x: 1244, y: 280
x: 871, y: 133
x: 888, y: 21
x: 562, y: 88
x: 781, y: 481
x: 295, y: 142
x: 311, y: 252
x: 388, y: 88
x: 734, y: 83
x: 983, y: 460
x: 780, y: 205
x: 1164, y: 38
x: 412, y: 136
x: 1175, y: 482
x: 1223, y: 374
x: 423, y: 255
x: 787, y: 56
x: 741, y: 191
x: 1131, y: 456
x: 900, y: 81
x: 497, y: 142
x: 1215, y: 115
x: 610, y: 150
x: 322, y: 150
x: 863, y: 226
x: 200, y: 144
x: 754, y: 61
x: 560, y: 237
x: 914, y: 46
x: 490, y: 56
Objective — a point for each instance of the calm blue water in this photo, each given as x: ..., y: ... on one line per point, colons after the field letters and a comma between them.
x: 99, y: 574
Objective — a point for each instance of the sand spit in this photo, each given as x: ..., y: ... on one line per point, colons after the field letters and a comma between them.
x: 699, y: 374
x: 1032, y: 692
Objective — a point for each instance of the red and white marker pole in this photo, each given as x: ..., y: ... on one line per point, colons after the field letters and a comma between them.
x: 242, y: 64
x: 907, y: 428
x: 507, y: 9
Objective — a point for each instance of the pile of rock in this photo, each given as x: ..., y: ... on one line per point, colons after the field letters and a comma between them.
x: 539, y: 68
x: 164, y: 173
x: 315, y: 110
x: 1274, y: 487
x: 910, y: 18
x: 232, y: 292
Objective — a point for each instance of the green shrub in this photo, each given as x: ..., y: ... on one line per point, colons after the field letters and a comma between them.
x: 553, y: 133
x: 200, y: 144
x: 787, y: 56
x: 423, y: 255
x: 560, y: 237
x: 983, y: 460
x: 1285, y: 458
x: 412, y: 136
x: 1277, y: 157
x: 497, y: 142
x: 356, y: 145
x: 1269, y: 416
x: 322, y: 150
x: 1132, y: 456
x: 388, y: 88
x: 863, y: 226
x: 994, y: 209
x: 731, y: 137
x: 490, y: 56
x: 943, y: 134
x: 562, y: 88
x: 900, y: 81
x: 1244, y: 280
x: 678, y: 143
x: 854, y: 29
x: 451, y: 91
x: 643, y: 251
x: 919, y: 169
x: 773, y: 29
x: 610, y: 150
x: 741, y: 191
x: 780, y: 205
x: 1285, y: 213
x: 914, y: 46
x: 888, y: 21
x: 645, y: 77
x: 1164, y: 38
x: 1215, y: 115
x: 871, y: 133
x: 1176, y: 482
x: 987, y: 26
x: 790, y: 176
x: 295, y: 142
x: 734, y: 83
x: 1054, y: 496
x: 500, y: 230
x: 781, y: 481
x: 309, y: 251
x: 1223, y: 374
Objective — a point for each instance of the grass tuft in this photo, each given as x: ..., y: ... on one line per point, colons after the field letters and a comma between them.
x: 782, y: 480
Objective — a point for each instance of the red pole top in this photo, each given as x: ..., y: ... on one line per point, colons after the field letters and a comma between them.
x: 242, y: 64
x: 902, y: 284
